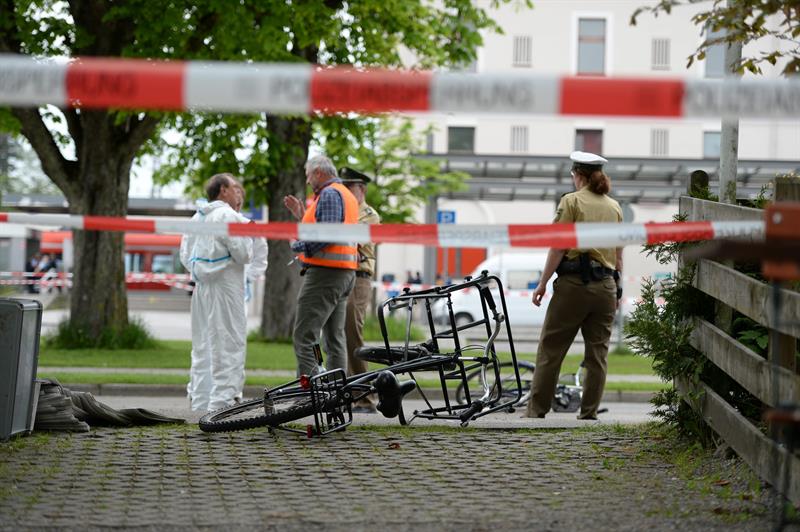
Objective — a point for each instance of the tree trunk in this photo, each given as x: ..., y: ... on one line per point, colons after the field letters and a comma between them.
x: 99, y: 298
x: 289, y: 141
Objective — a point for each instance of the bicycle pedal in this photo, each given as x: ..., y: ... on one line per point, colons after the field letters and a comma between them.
x: 269, y: 406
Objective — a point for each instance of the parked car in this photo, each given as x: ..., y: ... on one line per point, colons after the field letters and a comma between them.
x: 520, y: 274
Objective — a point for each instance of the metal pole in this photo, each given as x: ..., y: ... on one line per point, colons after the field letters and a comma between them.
x: 429, y: 255
x: 729, y: 137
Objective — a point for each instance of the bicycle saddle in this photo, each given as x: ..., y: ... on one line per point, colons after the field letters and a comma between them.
x: 394, y: 354
x: 391, y: 392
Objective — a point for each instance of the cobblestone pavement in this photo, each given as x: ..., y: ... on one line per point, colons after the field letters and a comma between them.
x: 437, y: 478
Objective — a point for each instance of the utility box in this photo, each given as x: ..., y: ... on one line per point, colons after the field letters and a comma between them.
x: 20, y: 326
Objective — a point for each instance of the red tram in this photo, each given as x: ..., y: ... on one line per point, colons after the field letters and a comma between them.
x: 144, y: 253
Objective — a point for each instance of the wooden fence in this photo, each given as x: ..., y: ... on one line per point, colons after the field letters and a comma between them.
x: 751, y: 297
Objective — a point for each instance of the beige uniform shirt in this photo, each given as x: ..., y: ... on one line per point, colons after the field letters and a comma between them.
x: 586, y: 206
x: 366, y: 252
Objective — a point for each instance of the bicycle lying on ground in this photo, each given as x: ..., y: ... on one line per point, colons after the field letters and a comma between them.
x: 569, y: 389
x: 328, y: 396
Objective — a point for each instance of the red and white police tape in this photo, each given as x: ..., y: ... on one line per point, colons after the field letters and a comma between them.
x: 562, y: 236
x: 57, y: 279
x: 303, y: 88
x: 181, y: 282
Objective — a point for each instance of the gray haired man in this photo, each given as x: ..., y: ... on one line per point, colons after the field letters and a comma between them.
x: 328, y: 269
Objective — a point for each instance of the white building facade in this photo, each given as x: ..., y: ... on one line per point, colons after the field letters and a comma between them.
x: 591, y: 38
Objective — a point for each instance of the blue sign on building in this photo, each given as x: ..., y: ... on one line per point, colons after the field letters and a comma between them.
x: 445, y: 217
x: 255, y: 212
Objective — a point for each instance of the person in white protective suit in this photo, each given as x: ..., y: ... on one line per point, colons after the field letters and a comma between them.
x: 219, y: 324
x: 258, y: 265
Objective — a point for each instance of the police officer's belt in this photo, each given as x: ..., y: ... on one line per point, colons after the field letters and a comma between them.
x: 365, y: 275
x: 589, y: 270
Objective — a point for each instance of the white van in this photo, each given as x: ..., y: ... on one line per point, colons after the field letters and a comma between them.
x: 520, y: 274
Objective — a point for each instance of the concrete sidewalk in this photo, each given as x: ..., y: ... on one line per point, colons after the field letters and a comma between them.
x: 617, y: 414
x: 388, y: 478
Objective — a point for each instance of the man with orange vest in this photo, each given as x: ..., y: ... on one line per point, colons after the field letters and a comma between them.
x: 328, y: 269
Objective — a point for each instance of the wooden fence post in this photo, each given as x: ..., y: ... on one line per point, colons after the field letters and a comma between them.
x: 785, y: 188
x: 698, y: 184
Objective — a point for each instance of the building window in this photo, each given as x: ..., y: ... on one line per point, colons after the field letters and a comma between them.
x: 660, y: 54
x: 659, y: 142
x: 711, y: 141
x: 519, y: 139
x: 715, y: 54
x: 592, y: 46
x: 523, y: 51
x: 429, y: 142
x: 461, y: 140
x: 590, y: 140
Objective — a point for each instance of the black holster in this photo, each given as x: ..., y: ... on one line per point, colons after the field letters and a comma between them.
x: 584, y: 266
x: 581, y: 266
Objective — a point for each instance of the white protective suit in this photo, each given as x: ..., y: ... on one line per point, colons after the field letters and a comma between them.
x: 219, y: 324
x: 257, y: 266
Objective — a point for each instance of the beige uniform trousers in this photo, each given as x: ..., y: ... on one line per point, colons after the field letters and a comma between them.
x: 589, y: 308
x: 357, y: 305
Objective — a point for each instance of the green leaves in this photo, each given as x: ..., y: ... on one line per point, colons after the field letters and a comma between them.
x: 383, y: 148
x: 363, y: 34
x: 745, y: 21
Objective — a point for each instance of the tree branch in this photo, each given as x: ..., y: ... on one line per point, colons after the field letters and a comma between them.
x: 139, y: 130
x: 61, y: 171
x: 75, y: 129
x: 205, y: 25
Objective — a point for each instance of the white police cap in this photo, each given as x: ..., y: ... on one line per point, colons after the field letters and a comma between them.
x: 583, y: 157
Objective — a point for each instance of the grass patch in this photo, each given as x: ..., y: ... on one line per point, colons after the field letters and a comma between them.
x: 707, y: 471
x: 637, y: 386
x: 395, y: 329
x: 617, y: 364
x: 263, y: 355
x: 167, y: 354
x: 70, y: 378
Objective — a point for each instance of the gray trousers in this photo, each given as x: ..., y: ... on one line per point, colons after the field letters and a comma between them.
x: 321, y: 309
x: 357, y: 305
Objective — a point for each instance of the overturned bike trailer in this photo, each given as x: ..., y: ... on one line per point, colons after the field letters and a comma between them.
x: 328, y: 396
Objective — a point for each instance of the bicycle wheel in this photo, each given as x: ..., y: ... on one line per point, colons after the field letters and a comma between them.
x: 508, y: 382
x: 245, y: 415
x: 284, y: 407
x: 292, y: 406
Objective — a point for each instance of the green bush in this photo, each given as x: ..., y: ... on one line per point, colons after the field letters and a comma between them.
x: 133, y: 336
x: 662, y: 333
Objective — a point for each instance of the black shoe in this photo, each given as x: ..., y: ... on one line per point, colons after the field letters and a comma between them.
x: 364, y: 410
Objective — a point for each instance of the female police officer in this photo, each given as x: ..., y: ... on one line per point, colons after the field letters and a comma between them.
x: 585, y: 294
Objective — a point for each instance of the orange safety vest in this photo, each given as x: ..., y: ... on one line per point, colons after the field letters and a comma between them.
x: 344, y: 256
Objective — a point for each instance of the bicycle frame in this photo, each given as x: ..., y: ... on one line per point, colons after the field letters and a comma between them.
x: 333, y: 394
